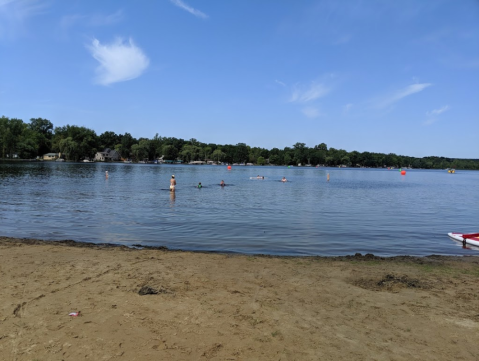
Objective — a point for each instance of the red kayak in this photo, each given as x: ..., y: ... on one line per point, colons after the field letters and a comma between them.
x: 471, y: 238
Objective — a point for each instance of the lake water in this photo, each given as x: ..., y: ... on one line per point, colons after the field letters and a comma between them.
x: 358, y: 210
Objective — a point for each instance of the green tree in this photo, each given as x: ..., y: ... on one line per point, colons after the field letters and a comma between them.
x: 169, y: 152
x: 206, y: 151
x: 218, y: 155
x: 321, y: 146
x: 69, y: 148
x: 242, y: 153
x: 43, y: 134
x: 108, y: 140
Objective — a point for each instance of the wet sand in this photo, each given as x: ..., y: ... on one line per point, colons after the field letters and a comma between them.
x: 155, y: 304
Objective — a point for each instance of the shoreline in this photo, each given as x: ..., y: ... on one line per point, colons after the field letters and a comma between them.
x: 145, y: 304
x: 139, y: 247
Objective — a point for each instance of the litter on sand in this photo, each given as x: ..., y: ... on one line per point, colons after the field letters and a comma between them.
x: 74, y: 314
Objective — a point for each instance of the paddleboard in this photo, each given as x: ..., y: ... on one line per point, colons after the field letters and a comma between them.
x: 472, y: 238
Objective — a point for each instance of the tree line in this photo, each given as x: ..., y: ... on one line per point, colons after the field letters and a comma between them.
x: 39, y: 136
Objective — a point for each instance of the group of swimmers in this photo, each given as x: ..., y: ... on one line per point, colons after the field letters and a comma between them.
x: 222, y: 183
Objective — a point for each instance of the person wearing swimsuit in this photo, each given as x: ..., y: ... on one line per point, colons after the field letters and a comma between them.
x: 172, y: 183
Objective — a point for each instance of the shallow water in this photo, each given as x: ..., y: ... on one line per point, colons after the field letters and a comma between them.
x: 358, y: 210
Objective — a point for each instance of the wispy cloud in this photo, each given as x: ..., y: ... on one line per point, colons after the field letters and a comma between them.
x: 306, y: 94
x: 280, y: 83
x: 347, y: 107
x: 68, y: 21
x: 15, y: 13
x: 311, y: 112
x: 119, y: 61
x: 438, y: 111
x: 190, y: 9
x: 409, y: 90
x: 432, y: 115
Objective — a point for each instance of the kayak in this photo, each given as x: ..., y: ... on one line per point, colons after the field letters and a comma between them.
x: 472, y: 238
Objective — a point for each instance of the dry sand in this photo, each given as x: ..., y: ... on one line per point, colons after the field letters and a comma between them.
x: 224, y: 307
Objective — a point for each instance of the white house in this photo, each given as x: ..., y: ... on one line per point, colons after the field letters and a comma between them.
x: 50, y: 156
x: 108, y: 155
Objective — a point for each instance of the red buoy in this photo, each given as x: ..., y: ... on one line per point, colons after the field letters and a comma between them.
x: 403, y: 172
x: 229, y: 167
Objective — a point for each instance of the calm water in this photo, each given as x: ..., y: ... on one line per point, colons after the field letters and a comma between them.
x: 359, y: 210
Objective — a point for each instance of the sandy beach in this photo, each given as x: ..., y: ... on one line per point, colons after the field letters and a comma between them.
x: 154, y: 304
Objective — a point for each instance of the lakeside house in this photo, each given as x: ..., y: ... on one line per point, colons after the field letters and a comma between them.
x: 108, y: 155
x: 51, y: 156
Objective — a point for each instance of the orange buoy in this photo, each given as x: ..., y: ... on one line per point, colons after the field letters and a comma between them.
x: 229, y: 167
x: 403, y: 172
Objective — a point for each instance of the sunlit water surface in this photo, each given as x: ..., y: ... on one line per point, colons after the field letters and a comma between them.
x: 358, y: 210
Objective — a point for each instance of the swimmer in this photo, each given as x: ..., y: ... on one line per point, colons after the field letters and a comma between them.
x: 106, y: 174
x: 284, y: 179
x: 222, y: 183
x: 172, y: 183
x: 199, y: 185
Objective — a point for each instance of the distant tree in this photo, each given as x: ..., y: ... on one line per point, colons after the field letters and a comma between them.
x: 321, y: 146
x: 242, y: 153
x: 108, y: 140
x: 169, y: 152
x: 260, y: 161
x: 288, y: 159
x: 43, y: 134
x: 275, y: 159
x: 206, y: 151
x: 218, y: 155
x: 69, y: 148
x: 139, y: 151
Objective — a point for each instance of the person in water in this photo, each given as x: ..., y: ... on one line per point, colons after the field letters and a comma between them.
x: 284, y: 179
x: 222, y: 183
x: 199, y: 185
x: 172, y: 183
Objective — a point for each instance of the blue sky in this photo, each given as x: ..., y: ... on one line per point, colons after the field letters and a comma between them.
x: 368, y: 75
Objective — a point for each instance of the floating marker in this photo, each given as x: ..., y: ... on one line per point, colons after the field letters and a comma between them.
x: 229, y: 167
x: 403, y: 172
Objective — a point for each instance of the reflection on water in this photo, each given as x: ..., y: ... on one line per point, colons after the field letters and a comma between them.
x: 358, y: 210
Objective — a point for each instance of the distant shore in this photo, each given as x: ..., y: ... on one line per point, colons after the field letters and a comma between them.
x: 142, y: 304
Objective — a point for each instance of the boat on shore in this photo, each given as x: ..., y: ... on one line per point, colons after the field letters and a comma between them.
x: 471, y: 238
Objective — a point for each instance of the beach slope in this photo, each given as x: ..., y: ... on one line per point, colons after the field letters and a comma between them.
x: 155, y: 304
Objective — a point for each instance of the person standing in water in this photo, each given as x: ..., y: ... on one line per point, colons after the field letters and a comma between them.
x: 222, y: 183
x: 172, y: 183
x: 199, y: 185
x: 284, y: 179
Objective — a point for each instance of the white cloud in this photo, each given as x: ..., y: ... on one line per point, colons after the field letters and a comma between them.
x: 311, y: 112
x: 313, y: 92
x: 118, y: 61
x: 438, y: 111
x: 280, y: 83
x: 434, y: 113
x: 91, y: 20
x: 15, y: 13
x: 188, y: 8
x: 409, y: 90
